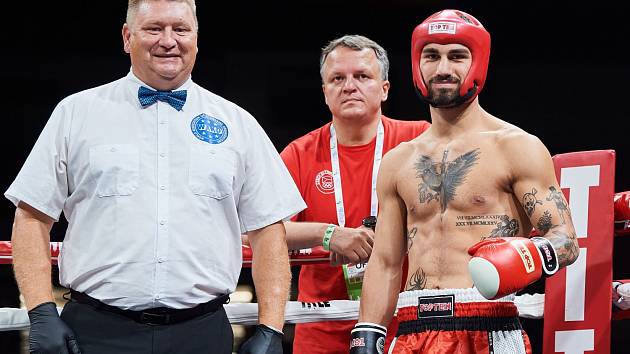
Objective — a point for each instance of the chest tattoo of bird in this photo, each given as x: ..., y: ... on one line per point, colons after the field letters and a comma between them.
x: 439, y: 180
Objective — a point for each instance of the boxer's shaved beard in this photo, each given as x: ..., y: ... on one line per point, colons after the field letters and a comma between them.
x: 444, y: 97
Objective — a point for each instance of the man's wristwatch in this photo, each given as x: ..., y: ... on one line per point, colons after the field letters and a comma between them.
x: 369, y: 222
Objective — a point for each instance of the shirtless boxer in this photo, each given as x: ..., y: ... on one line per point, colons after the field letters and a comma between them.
x: 471, y: 185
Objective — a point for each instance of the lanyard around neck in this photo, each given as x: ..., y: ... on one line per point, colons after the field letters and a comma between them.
x: 334, y: 158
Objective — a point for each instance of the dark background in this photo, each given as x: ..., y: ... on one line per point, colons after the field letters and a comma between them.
x: 560, y: 72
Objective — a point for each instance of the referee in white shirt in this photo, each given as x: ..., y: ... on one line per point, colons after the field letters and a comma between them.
x: 157, y: 178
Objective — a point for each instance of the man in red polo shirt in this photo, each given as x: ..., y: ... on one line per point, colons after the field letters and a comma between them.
x: 335, y: 169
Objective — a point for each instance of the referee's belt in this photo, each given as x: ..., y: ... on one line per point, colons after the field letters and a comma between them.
x: 158, y: 315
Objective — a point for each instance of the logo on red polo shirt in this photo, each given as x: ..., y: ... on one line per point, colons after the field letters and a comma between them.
x: 324, y: 182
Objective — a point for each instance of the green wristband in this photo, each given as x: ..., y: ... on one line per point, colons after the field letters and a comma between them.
x: 327, y: 236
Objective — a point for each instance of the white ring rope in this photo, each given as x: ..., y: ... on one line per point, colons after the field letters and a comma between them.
x: 529, y: 306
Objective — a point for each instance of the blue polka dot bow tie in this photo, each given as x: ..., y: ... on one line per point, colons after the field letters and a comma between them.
x: 147, y: 97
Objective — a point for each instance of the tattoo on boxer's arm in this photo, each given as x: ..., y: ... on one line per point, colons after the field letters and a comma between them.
x: 410, y: 236
x: 530, y: 201
x: 418, y: 280
x: 544, y: 223
x: 439, y: 180
x: 558, y: 198
x: 564, y: 244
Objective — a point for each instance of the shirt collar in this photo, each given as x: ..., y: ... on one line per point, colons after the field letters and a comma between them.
x: 133, y: 78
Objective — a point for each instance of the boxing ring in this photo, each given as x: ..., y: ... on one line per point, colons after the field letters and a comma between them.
x: 530, y: 306
x: 576, y: 306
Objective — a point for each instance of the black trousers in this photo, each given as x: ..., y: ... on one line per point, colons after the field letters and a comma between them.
x: 103, y: 332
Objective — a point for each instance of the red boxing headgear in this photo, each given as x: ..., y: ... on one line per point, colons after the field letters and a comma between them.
x: 447, y: 27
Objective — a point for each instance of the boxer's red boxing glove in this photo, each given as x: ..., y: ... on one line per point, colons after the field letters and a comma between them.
x: 501, y: 266
x: 621, y: 202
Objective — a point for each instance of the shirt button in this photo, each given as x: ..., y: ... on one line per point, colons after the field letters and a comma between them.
x: 157, y: 297
x: 160, y: 259
x: 162, y: 222
x: 112, y: 149
x: 162, y: 122
x: 162, y: 154
x: 162, y: 187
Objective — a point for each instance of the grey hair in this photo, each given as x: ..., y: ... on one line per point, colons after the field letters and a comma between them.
x: 356, y: 42
x: 133, y: 5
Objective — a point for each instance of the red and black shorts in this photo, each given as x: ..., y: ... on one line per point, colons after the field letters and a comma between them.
x: 458, y: 321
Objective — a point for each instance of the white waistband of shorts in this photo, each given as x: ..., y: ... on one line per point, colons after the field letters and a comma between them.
x: 410, y: 298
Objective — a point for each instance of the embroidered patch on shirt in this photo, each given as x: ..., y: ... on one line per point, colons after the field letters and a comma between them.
x: 209, y: 129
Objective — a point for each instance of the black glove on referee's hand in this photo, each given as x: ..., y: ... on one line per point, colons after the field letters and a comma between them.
x: 49, y: 334
x: 265, y: 341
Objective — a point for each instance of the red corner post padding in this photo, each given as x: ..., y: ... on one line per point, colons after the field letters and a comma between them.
x: 578, y: 298
x: 296, y: 257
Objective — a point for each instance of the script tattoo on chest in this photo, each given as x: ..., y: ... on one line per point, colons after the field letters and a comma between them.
x: 504, y: 225
x: 440, y: 179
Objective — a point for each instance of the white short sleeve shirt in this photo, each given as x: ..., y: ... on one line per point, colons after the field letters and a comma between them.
x: 156, y: 199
